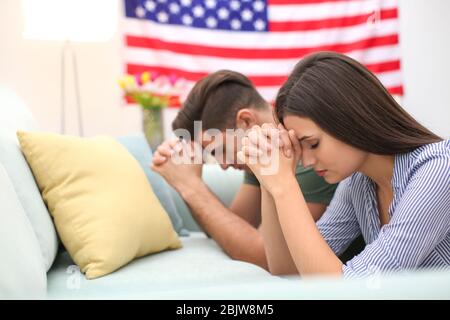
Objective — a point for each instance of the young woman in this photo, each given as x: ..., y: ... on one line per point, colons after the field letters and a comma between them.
x: 394, y: 175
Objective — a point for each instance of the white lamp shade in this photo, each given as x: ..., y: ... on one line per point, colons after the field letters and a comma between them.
x: 74, y: 20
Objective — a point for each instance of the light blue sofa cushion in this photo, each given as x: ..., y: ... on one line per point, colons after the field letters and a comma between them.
x: 418, y: 285
x: 201, y: 270
x: 14, y: 115
x: 223, y: 183
x: 200, y: 263
x: 138, y: 147
x: 22, y: 268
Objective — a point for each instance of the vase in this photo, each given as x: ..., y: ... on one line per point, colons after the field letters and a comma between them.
x: 153, y: 127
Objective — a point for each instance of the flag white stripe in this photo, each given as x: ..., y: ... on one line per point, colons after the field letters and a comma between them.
x: 327, y: 10
x: 269, y: 93
x: 260, y: 40
x: 376, y: 55
x: 254, y: 67
x: 390, y: 79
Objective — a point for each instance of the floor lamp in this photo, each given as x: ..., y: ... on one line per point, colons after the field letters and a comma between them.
x: 69, y: 22
x: 67, y: 49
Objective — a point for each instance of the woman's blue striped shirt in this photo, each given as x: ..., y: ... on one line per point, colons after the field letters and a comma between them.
x: 418, y: 233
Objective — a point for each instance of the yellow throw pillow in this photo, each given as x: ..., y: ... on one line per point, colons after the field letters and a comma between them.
x: 103, y: 206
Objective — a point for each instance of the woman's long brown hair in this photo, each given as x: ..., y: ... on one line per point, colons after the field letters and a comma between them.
x: 347, y: 101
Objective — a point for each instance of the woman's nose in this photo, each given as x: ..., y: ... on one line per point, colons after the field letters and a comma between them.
x: 308, y: 159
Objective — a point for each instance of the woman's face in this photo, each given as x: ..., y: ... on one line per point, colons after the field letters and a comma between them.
x: 331, y: 158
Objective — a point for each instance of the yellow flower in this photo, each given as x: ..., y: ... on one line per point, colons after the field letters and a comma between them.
x: 121, y: 83
x: 129, y: 83
x: 145, y: 77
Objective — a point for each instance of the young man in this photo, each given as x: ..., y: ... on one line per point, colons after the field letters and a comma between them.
x: 227, y: 100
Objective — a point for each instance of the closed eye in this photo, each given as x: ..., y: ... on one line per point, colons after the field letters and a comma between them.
x: 308, y: 144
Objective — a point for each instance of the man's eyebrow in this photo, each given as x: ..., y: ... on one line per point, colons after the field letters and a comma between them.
x: 304, y: 137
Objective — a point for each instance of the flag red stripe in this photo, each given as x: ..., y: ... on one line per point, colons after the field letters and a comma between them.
x: 392, y: 90
x: 281, y: 2
x: 195, y: 76
x: 152, y: 43
x: 396, y: 90
x: 384, y: 66
x: 257, y: 80
x: 329, y: 23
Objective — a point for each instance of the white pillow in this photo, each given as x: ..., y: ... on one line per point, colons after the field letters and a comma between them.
x: 22, y: 268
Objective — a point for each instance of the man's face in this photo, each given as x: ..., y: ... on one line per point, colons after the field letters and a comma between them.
x: 223, y: 146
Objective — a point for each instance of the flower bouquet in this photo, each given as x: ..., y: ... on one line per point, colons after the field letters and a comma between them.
x: 153, y: 92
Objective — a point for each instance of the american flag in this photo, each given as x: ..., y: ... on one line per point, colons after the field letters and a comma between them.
x: 261, y: 39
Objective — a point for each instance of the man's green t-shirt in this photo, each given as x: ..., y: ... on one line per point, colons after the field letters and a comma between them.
x: 314, y: 188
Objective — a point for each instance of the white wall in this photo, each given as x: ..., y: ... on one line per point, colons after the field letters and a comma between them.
x: 32, y: 68
x: 425, y: 44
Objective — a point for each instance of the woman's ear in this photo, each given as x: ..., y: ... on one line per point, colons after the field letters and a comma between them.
x: 245, y: 119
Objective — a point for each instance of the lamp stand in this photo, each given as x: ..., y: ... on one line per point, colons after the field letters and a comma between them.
x: 68, y: 49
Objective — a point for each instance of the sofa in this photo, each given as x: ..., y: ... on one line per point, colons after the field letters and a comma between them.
x: 35, y: 265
